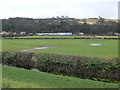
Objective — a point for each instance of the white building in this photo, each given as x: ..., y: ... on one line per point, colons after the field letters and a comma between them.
x: 61, y: 34
x: 81, y: 33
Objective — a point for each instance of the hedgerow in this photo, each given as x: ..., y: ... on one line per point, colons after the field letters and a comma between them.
x: 65, y: 64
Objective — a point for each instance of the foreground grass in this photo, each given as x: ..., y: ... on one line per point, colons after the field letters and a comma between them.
x: 72, y: 47
x: 20, y: 78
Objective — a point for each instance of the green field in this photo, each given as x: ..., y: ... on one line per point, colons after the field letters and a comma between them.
x: 66, y: 37
x: 20, y: 78
x: 93, y: 21
x: 72, y: 47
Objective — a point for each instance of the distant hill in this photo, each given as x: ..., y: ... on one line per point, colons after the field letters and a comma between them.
x: 96, y: 26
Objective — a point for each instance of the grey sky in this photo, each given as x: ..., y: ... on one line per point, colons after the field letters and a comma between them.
x: 49, y: 8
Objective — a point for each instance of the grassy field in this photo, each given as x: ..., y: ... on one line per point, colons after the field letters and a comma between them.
x: 65, y: 37
x: 93, y: 21
x: 20, y: 78
x: 72, y: 47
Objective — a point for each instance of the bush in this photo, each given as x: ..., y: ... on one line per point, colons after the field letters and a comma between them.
x: 18, y: 59
x: 78, y: 65
x: 65, y: 64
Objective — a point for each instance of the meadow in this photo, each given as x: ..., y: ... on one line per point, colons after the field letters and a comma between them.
x: 109, y: 48
x: 21, y: 78
x: 91, y: 21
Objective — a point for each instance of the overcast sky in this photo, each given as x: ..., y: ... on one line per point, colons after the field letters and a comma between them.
x: 50, y: 8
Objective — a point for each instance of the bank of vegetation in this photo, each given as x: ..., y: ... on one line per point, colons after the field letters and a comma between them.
x: 96, y: 68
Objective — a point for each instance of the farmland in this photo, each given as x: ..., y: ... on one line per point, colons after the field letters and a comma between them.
x: 83, y: 55
x: 109, y: 48
x: 75, y: 47
x: 91, y: 21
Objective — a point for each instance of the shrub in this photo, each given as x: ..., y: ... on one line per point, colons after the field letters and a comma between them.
x: 65, y: 64
x: 18, y: 59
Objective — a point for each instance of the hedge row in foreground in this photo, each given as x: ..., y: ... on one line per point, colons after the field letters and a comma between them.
x: 65, y: 64
x: 61, y: 38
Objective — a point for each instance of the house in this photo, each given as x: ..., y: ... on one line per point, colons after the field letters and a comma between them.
x: 4, y: 33
x: 22, y: 33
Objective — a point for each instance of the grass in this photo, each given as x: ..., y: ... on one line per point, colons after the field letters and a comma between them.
x: 21, y: 78
x: 71, y: 47
x: 93, y: 21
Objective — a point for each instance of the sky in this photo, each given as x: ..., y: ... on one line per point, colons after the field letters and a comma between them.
x: 52, y: 8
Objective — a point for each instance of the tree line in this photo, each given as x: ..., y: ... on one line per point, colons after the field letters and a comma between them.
x: 55, y: 25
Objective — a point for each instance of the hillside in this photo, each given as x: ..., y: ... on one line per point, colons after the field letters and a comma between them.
x: 20, y: 78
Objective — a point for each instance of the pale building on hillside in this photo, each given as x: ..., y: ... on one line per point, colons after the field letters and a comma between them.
x: 61, y: 34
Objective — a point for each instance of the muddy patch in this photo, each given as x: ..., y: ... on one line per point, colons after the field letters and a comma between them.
x: 96, y: 44
x: 36, y: 48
